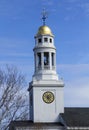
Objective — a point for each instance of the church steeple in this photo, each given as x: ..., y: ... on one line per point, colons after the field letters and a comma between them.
x: 44, y: 53
x: 46, y: 89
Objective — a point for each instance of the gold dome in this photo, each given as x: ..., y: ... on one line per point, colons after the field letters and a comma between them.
x: 44, y: 30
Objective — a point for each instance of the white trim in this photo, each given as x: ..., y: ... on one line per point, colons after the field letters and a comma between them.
x: 77, y: 128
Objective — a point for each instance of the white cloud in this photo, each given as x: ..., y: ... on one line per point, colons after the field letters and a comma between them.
x: 85, y: 7
x: 76, y: 79
x: 75, y: 69
x: 14, y: 47
x: 77, y: 93
x: 14, y: 10
x: 17, y: 52
x: 72, y: 1
x: 76, y: 9
x: 47, y: 2
x: 50, y: 5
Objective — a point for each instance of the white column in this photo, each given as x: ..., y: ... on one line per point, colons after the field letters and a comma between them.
x: 42, y: 60
x: 36, y: 60
x: 55, y: 60
x: 50, y: 61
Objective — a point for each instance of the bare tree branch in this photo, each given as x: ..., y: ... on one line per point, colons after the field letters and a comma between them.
x: 13, y: 104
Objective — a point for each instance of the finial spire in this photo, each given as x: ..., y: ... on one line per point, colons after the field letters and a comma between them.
x: 44, y: 16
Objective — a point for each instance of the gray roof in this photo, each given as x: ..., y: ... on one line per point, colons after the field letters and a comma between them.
x: 29, y: 124
x: 72, y: 117
x: 76, y: 117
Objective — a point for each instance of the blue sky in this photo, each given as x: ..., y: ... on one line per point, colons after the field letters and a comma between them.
x: 69, y: 22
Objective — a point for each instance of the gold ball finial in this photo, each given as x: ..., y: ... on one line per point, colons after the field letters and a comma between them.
x: 44, y: 30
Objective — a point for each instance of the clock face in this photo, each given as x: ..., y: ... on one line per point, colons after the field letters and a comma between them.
x: 48, y: 97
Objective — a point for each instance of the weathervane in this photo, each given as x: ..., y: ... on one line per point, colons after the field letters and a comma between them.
x: 44, y: 16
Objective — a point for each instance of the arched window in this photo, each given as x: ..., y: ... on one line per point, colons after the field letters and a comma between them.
x: 50, y: 40
x: 45, y: 39
x: 39, y: 59
x: 46, y: 58
x: 39, y: 40
x: 52, y: 59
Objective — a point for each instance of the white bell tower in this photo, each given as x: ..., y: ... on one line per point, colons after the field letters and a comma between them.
x: 45, y: 90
